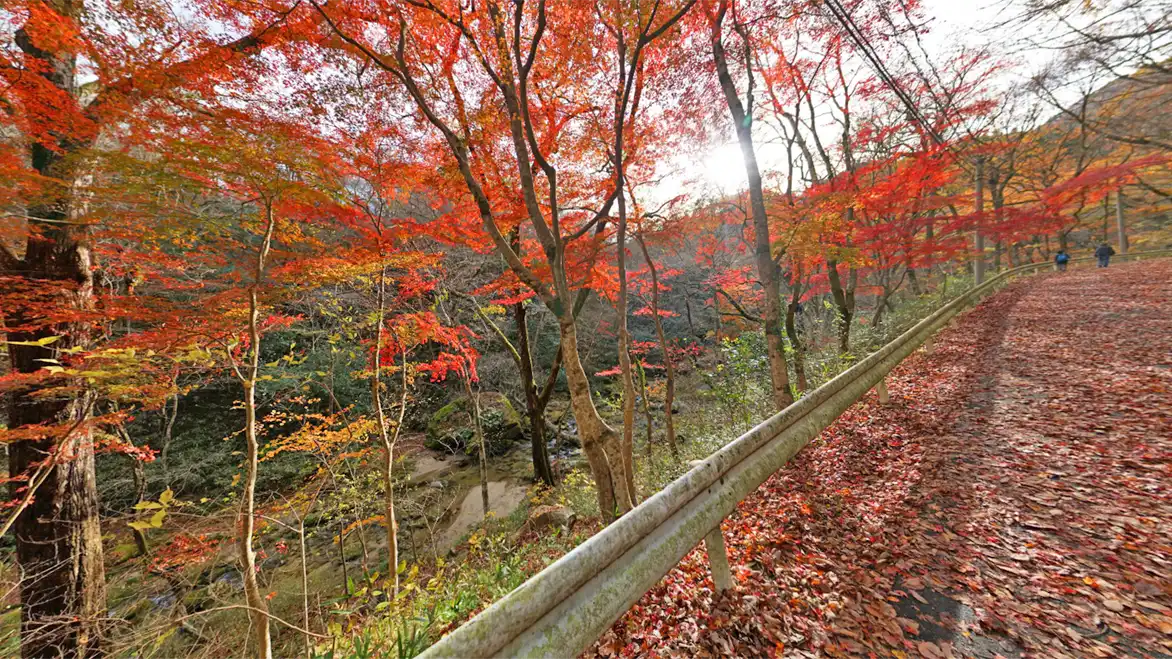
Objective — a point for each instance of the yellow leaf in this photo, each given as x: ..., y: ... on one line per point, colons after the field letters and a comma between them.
x: 40, y: 343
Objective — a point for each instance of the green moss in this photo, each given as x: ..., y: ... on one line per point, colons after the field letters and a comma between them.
x: 450, y: 428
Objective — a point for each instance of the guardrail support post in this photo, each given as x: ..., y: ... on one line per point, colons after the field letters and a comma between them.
x: 881, y: 389
x: 930, y: 344
x: 718, y: 560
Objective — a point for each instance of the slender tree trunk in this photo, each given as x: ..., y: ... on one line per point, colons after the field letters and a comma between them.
x: 361, y: 532
x: 997, y: 193
x: 391, y: 522
x: 1106, y: 217
x: 625, y: 369
x: 342, y: 557
x: 599, y: 441
x: 138, y: 472
x: 930, y: 238
x: 881, y: 307
x: 979, y: 240
x: 168, y: 433
x: 304, y: 584
x: 688, y: 313
x: 668, y: 363
x: 767, y: 271
x: 474, y: 416
x: 795, y: 340
x: 542, y: 470
x: 646, y: 407
x: 258, y: 607
x: 621, y: 305
x: 136, y: 466
x: 843, y: 304
x: 1120, y: 225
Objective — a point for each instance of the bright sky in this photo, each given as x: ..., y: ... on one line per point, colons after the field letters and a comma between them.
x: 952, y: 23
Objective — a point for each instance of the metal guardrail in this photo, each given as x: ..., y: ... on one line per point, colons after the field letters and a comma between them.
x: 560, y: 611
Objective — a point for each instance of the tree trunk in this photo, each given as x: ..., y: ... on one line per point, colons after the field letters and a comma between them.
x: 138, y: 472
x: 913, y: 281
x: 646, y: 408
x: 979, y: 240
x: 599, y: 441
x: 474, y: 416
x: 795, y: 340
x: 1120, y: 225
x: 669, y: 367
x: 258, y: 607
x: 58, y: 535
x: 624, y: 349
x: 621, y: 306
x: 767, y: 271
x: 542, y: 470
x: 881, y: 307
x: 390, y: 520
x: 136, y: 466
x: 168, y: 433
x: 844, y: 303
x: 342, y: 557
x: 304, y: 583
x: 1106, y: 217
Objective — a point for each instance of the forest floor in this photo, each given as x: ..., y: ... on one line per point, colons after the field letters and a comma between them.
x: 1014, y: 499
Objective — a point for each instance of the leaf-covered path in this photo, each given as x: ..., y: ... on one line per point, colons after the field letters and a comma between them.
x: 1012, y: 500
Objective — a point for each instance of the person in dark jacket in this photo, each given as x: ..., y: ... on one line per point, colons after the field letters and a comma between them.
x: 1104, y: 254
x: 1061, y: 260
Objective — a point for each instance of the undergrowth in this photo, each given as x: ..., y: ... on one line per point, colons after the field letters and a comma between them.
x: 500, y: 556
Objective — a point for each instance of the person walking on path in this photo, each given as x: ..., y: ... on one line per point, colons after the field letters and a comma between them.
x: 1104, y: 254
x: 1061, y: 260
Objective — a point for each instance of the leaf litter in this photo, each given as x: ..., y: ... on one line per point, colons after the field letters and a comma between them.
x: 1012, y: 500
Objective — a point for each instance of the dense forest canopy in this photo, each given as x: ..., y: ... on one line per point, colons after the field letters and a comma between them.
x: 295, y: 292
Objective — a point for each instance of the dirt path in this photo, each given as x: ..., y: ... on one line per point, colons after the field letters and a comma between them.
x: 1013, y: 500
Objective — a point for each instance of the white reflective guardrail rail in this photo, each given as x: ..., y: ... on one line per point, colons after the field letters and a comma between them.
x: 560, y: 611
